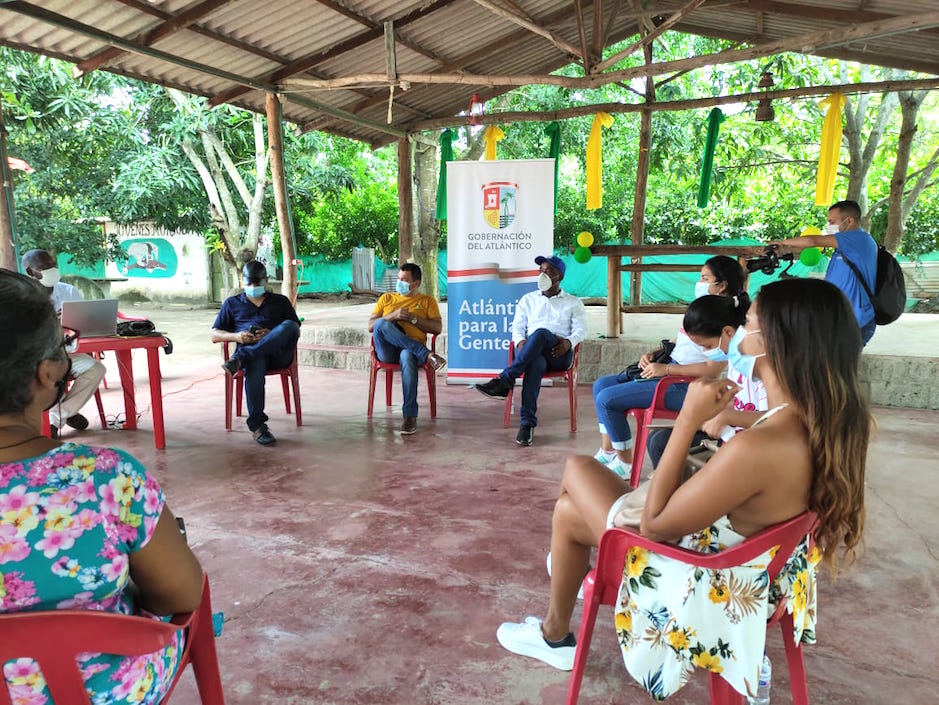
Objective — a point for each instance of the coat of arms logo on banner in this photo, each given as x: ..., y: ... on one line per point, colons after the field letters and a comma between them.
x: 499, y: 203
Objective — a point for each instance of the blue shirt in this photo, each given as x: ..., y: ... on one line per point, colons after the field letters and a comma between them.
x: 238, y: 314
x: 861, y: 249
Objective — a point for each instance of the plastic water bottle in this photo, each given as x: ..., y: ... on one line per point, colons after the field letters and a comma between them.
x: 766, y: 680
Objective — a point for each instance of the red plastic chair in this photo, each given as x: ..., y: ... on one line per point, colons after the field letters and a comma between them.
x: 287, y: 374
x: 54, y: 638
x: 602, y: 585
x: 390, y: 367
x: 655, y: 410
x: 570, y: 375
x: 47, y: 426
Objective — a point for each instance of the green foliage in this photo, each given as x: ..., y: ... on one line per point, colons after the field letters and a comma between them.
x: 367, y: 215
x: 922, y: 229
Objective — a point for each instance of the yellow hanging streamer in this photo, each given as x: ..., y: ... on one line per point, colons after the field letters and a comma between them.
x: 492, y: 135
x: 595, y: 160
x: 829, y: 150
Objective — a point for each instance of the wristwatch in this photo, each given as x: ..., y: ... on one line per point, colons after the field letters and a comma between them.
x: 413, y: 320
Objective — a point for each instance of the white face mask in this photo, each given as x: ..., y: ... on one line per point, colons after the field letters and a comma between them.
x: 701, y: 288
x: 544, y: 282
x: 833, y: 228
x: 49, y: 277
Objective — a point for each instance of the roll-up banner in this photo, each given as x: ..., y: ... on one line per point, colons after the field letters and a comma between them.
x: 500, y: 217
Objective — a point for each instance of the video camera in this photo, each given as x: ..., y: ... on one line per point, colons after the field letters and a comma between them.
x: 770, y: 260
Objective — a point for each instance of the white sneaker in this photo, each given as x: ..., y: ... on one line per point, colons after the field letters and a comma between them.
x: 527, y: 639
x: 621, y: 469
x: 604, y: 457
x: 580, y: 593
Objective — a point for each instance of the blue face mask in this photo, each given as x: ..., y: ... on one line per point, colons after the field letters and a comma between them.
x: 402, y: 287
x: 701, y: 288
x: 716, y: 354
x: 741, y: 362
x: 254, y: 291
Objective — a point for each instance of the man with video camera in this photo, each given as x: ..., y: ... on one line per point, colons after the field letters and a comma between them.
x: 850, y: 243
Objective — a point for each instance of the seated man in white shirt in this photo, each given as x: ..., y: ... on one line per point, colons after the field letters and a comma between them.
x: 548, y: 324
x: 87, y: 372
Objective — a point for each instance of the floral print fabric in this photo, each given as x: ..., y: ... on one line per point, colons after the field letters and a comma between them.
x: 671, y: 617
x: 69, y: 519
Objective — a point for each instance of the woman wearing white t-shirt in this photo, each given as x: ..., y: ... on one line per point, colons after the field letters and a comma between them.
x: 613, y: 395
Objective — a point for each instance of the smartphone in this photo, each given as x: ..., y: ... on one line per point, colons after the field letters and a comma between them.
x: 182, y: 528
x: 253, y: 330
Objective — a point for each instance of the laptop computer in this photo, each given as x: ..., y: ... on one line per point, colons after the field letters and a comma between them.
x: 91, y: 318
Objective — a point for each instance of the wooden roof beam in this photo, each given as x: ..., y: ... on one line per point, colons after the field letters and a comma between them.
x: 311, y: 60
x: 840, y: 52
x: 812, y: 11
x: 582, y: 35
x: 455, y: 65
x: 171, y: 26
x: 366, y: 22
x: 687, y: 104
x: 529, y: 24
x: 649, y: 37
x: 805, y: 44
x: 56, y: 20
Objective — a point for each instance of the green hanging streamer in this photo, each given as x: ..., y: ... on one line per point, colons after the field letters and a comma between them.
x: 553, y: 130
x: 446, y: 155
x: 715, y: 118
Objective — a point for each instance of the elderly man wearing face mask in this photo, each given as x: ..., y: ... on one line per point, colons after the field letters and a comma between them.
x: 86, y: 372
x: 548, y: 324
x: 399, y: 324
x: 852, y: 244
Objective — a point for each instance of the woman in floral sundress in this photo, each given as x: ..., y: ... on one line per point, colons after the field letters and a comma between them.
x: 77, y: 522
x: 802, y: 342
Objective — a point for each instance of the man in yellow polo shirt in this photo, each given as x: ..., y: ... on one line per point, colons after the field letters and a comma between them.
x: 399, y: 326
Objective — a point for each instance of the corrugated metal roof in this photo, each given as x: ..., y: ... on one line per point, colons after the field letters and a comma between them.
x: 236, y: 50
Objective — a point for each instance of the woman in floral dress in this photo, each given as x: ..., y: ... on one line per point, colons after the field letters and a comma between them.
x: 81, y: 527
x: 802, y: 342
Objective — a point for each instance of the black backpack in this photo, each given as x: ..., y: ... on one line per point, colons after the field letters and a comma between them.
x: 889, y: 297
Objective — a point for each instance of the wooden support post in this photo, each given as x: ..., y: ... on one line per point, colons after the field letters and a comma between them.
x: 639, y: 200
x: 275, y: 143
x: 405, y: 217
x: 642, y: 178
x: 8, y: 253
x: 614, y: 296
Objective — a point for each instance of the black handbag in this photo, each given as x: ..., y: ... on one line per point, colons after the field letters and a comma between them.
x: 134, y: 328
x: 662, y: 355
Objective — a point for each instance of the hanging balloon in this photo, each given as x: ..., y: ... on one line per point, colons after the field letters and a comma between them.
x: 810, y: 256
x: 584, y: 239
x: 582, y: 254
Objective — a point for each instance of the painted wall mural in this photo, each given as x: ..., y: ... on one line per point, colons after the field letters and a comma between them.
x: 152, y: 258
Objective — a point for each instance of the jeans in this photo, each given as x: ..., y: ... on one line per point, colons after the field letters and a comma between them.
x: 532, y: 361
x: 867, y: 331
x: 272, y: 352
x: 613, y: 395
x: 392, y: 345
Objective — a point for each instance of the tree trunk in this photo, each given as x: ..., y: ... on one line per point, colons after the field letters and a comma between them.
x: 424, y: 246
x: 896, y: 217
x: 276, y: 149
x: 861, y: 153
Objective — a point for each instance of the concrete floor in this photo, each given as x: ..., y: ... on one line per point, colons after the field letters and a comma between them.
x: 355, y: 565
